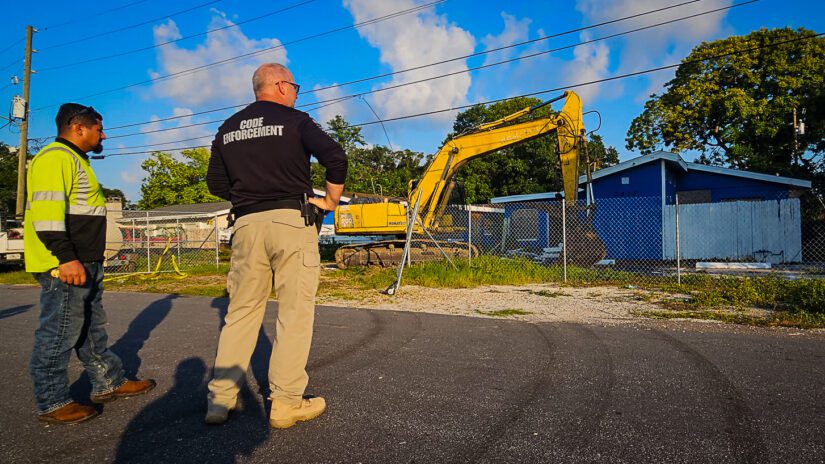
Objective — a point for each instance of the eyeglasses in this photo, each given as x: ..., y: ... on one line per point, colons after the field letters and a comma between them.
x: 84, y: 110
x: 297, y: 87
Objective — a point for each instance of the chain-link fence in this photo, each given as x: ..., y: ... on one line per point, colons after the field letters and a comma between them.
x: 147, y: 241
x: 633, y: 239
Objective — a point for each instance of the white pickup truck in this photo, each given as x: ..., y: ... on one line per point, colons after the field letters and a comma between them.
x: 11, y: 246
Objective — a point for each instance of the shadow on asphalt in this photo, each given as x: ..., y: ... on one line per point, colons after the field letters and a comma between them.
x: 15, y: 311
x: 130, y: 343
x: 171, y: 428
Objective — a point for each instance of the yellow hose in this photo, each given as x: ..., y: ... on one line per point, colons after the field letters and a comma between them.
x: 154, y: 274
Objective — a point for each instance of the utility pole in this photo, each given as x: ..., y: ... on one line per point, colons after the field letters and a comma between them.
x: 24, y: 127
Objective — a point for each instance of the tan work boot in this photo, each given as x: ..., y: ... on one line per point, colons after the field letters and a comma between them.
x: 217, y: 414
x: 285, y: 415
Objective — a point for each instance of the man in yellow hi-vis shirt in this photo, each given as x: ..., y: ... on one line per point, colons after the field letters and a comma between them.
x: 64, y: 240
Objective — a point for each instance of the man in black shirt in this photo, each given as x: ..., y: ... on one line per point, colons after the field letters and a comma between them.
x: 260, y: 162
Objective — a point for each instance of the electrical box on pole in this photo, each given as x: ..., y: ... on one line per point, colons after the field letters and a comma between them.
x: 19, y: 108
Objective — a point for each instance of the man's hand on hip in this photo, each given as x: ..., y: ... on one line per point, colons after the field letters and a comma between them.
x: 72, y: 273
x: 323, y: 203
x: 330, y: 200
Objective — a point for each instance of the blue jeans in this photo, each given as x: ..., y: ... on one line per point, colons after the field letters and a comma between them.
x: 71, y: 318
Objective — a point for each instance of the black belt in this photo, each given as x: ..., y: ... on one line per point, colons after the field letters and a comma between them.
x: 266, y: 205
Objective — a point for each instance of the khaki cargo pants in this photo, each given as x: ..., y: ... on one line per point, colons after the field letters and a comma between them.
x: 266, y: 243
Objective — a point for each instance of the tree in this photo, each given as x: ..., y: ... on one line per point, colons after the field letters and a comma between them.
x: 376, y: 169
x: 8, y: 182
x: 737, y: 109
x: 171, y: 182
x: 348, y: 136
x: 109, y: 193
x: 530, y: 167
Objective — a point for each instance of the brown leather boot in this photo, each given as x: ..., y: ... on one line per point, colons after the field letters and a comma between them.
x: 129, y: 388
x: 72, y: 413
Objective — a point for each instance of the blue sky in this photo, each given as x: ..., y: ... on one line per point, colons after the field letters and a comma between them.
x: 298, y: 33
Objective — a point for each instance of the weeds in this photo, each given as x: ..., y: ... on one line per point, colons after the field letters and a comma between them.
x: 505, y: 312
x: 795, y: 302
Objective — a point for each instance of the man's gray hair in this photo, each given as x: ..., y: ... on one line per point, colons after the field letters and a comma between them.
x: 264, y: 75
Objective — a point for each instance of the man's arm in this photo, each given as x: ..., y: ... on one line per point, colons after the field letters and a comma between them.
x: 331, y: 156
x: 217, y: 180
x: 330, y: 200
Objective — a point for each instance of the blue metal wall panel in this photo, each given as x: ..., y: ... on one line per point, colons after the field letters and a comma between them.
x: 630, y: 228
x: 728, y: 188
x: 643, y: 181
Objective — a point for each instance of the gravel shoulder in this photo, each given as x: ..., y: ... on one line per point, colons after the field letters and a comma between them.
x: 540, y: 302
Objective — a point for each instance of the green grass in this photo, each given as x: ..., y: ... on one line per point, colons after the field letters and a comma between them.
x: 774, y: 319
x: 547, y: 293
x: 505, y: 312
x: 14, y: 277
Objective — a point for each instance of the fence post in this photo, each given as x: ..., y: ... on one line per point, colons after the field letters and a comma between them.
x: 469, y: 236
x: 177, y: 237
x: 678, y: 246
x: 148, y: 251
x: 217, y: 245
x: 564, y: 237
x: 134, y: 237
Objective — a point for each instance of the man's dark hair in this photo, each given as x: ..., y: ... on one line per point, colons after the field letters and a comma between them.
x: 70, y: 113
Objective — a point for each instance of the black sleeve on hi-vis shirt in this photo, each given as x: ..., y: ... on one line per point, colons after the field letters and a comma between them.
x: 263, y: 153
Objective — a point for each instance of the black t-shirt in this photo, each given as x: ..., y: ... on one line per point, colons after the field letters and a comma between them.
x: 262, y: 153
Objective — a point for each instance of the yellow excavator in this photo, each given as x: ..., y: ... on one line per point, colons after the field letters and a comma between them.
x: 386, y: 216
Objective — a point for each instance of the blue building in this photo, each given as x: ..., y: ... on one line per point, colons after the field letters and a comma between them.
x: 723, y: 213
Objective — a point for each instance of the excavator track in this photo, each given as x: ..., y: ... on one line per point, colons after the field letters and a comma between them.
x: 388, y: 253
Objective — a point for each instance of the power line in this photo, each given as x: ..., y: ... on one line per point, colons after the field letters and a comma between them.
x: 101, y: 58
x: 125, y: 28
x: 361, y: 94
x: 541, y: 92
x: 365, y: 79
x: 100, y: 13
x: 264, y: 50
x: 8, y: 47
x: 10, y: 64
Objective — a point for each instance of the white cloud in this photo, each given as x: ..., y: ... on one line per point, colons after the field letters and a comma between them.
x: 327, y: 111
x: 412, y: 41
x: 180, y: 138
x: 657, y: 46
x: 590, y: 63
x: 131, y: 177
x: 215, y: 83
x: 515, y: 31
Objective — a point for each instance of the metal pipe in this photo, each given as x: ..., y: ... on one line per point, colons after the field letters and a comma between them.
x: 564, y: 238
x: 678, y: 246
x: 469, y: 236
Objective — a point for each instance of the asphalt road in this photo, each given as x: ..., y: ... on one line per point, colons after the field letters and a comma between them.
x: 412, y: 387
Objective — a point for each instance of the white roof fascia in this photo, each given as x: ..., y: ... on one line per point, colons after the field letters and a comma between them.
x: 750, y: 175
x: 480, y: 208
x: 528, y: 197
x: 638, y: 161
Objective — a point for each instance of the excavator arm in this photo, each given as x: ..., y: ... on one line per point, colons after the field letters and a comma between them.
x: 491, y: 137
x: 389, y: 217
